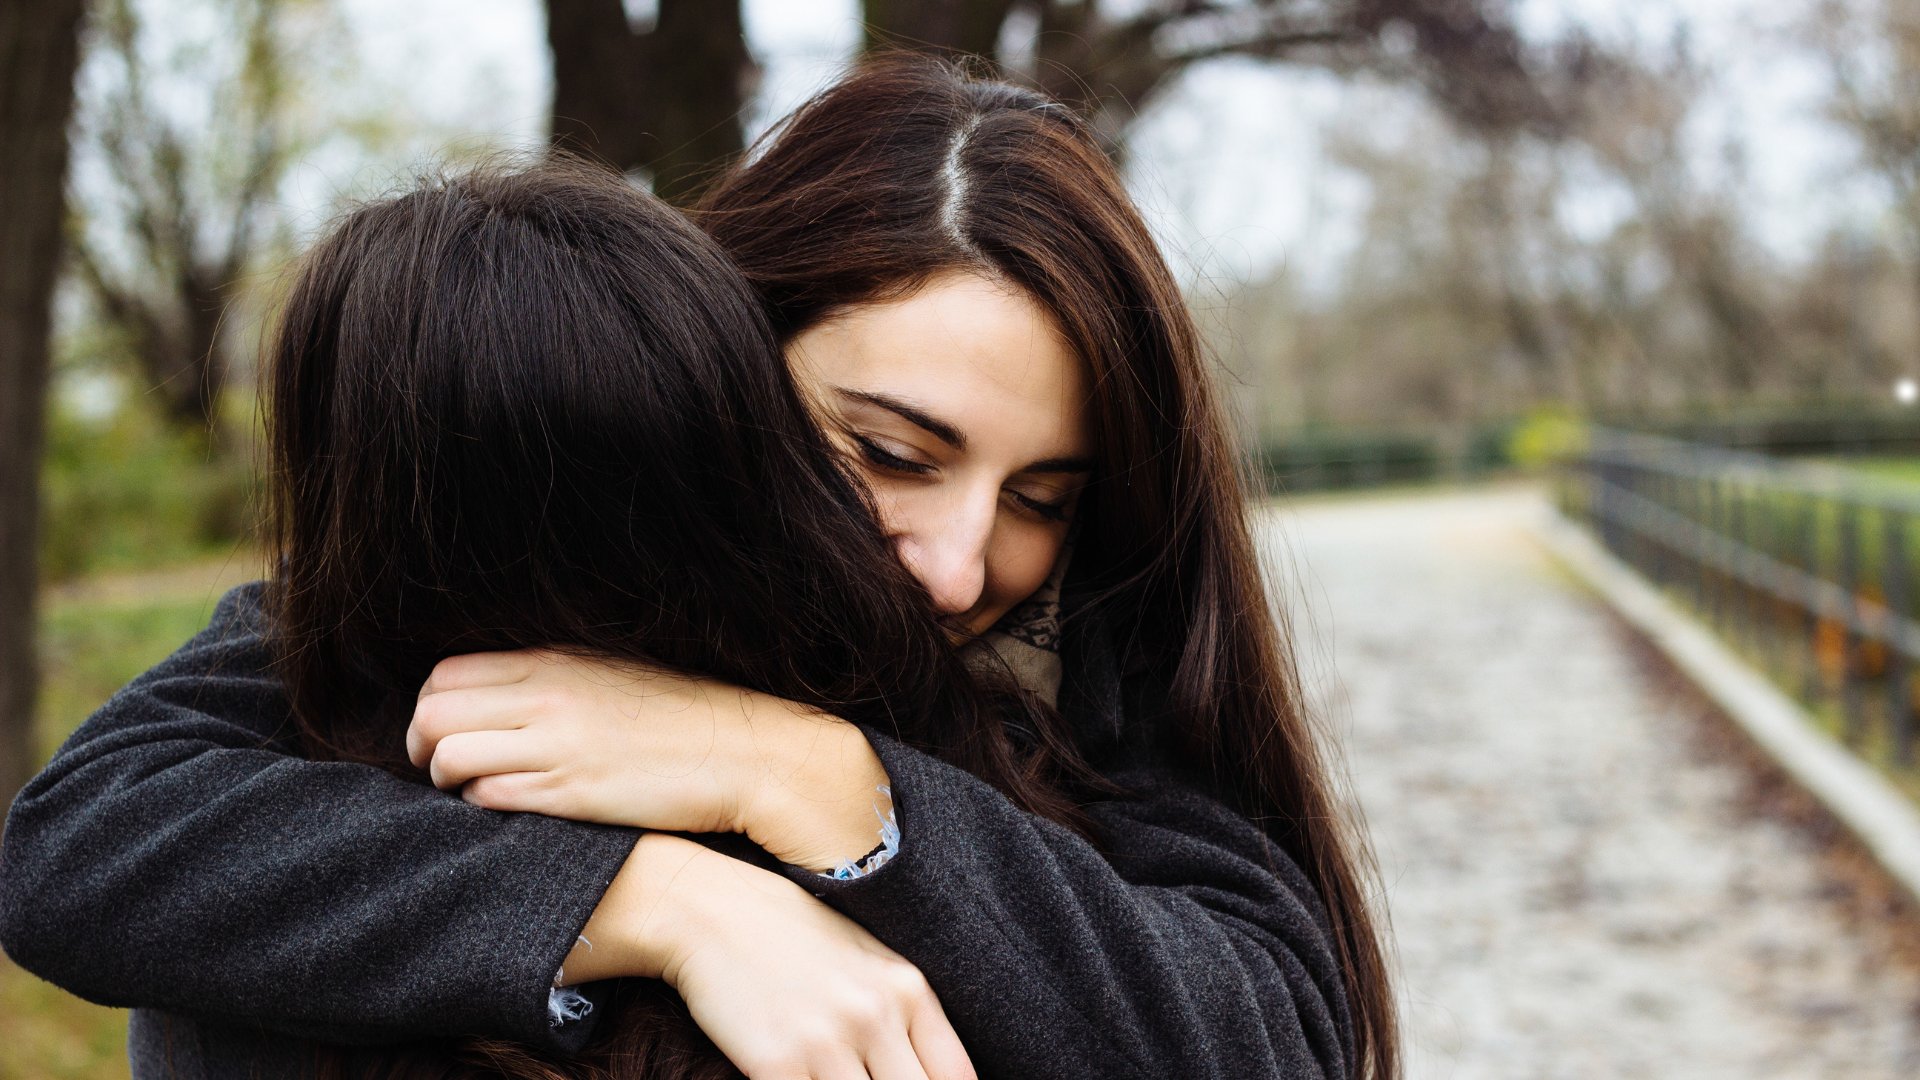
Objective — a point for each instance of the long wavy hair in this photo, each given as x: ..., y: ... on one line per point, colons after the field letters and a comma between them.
x: 532, y: 406
x: 909, y: 168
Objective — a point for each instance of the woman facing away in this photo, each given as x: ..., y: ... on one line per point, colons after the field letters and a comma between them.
x: 552, y: 337
x: 982, y: 325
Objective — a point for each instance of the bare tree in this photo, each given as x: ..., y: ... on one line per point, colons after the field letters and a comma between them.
x: 1112, y: 61
x: 39, y: 52
x: 1872, y: 48
x: 1636, y: 127
x: 191, y: 201
x: 1473, y: 294
x: 665, y: 98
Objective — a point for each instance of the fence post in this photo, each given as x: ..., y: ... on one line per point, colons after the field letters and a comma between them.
x: 1698, y: 499
x: 1605, y: 471
x: 1714, y: 527
x: 1893, y: 583
x: 1766, y: 603
x: 1740, y: 620
x: 1809, y: 522
x: 1659, y: 553
x: 1850, y: 710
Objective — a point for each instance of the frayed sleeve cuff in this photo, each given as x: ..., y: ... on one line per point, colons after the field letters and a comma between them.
x: 875, y: 859
x: 566, y: 1004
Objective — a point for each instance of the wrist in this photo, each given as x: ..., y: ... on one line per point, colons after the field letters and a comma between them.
x: 826, y: 804
x: 713, y: 899
x: 639, y: 928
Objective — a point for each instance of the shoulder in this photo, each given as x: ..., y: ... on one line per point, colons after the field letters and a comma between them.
x: 242, y: 608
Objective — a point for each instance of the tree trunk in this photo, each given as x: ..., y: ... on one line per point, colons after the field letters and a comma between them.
x: 666, y: 100
x: 957, y: 26
x: 596, y: 81
x: 698, y: 77
x: 39, y: 51
x: 185, y: 367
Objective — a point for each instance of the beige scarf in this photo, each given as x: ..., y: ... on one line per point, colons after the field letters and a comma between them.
x: 1026, y: 641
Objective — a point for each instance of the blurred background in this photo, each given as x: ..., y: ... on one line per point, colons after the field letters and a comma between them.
x: 1432, y: 243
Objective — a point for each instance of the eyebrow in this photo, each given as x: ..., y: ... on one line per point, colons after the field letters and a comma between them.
x: 918, y: 417
x: 1061, y: 465
x: 951, y: 435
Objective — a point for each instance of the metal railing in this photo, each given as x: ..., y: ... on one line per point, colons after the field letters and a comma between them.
x: 1807, y: 569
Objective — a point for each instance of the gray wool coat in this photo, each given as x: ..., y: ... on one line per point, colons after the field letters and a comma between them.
x: 176, y: 858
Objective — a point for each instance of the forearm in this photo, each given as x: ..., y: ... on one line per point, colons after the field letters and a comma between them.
x: 640, y: 920
x: 376, y: 911
x: 663, y: 899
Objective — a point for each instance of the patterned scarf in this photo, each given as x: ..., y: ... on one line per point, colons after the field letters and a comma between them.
x: 1026, y: 641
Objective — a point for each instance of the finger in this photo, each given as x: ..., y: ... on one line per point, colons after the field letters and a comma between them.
x: 937, y: 1046
x: 511, y: 791
x: 487, y: 708
x: 470, y: 755
x: 843, y: 1065
x: 481, y: 669
x: 467, y: 754
x: 894, y: 1057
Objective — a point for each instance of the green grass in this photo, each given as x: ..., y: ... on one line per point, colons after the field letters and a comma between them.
x: 48, y: 1034
x: 1902, y: 469
x: 89, y: 650
x: 94, y: 638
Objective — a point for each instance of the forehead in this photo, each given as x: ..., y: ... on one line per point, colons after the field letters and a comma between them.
x: 980, y: 354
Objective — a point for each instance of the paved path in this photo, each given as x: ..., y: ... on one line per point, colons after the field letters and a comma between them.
x: 1575, y: 887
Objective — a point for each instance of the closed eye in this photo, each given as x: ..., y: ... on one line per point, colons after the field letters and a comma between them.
x: 882, y: 458
x: 1051, y: 511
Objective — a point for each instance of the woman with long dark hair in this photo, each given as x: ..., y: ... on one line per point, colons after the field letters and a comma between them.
x: 552, y: 337
x: 1210, y: 920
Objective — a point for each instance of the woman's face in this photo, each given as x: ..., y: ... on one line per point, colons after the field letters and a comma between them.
x: 966, y: 411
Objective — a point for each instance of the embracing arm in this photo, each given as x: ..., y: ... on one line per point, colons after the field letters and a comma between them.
x: 175, y: 853
x: 1183, y: 955
x: 1199, y: 945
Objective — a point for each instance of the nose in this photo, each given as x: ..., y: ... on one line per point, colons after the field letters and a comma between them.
x: 948, y: 553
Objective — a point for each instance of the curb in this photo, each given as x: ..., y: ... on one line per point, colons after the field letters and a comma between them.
x: 1885, y: 821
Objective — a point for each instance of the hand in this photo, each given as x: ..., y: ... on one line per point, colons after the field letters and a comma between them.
x: 620, y: 743
x: 786, y: 986
x: 546, y: 732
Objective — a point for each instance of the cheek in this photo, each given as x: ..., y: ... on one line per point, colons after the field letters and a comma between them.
x: 1019, y: 564
x: 898, y: 505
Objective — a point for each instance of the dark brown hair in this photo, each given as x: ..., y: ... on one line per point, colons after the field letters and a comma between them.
x: 910, y: 168
x: 535, y: 407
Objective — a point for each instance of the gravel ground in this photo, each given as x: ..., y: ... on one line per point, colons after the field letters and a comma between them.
x: 1577, y: 889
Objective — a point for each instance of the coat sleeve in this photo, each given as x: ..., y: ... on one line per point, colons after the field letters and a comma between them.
x: 176, y: 853
x: 1198, y: 949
